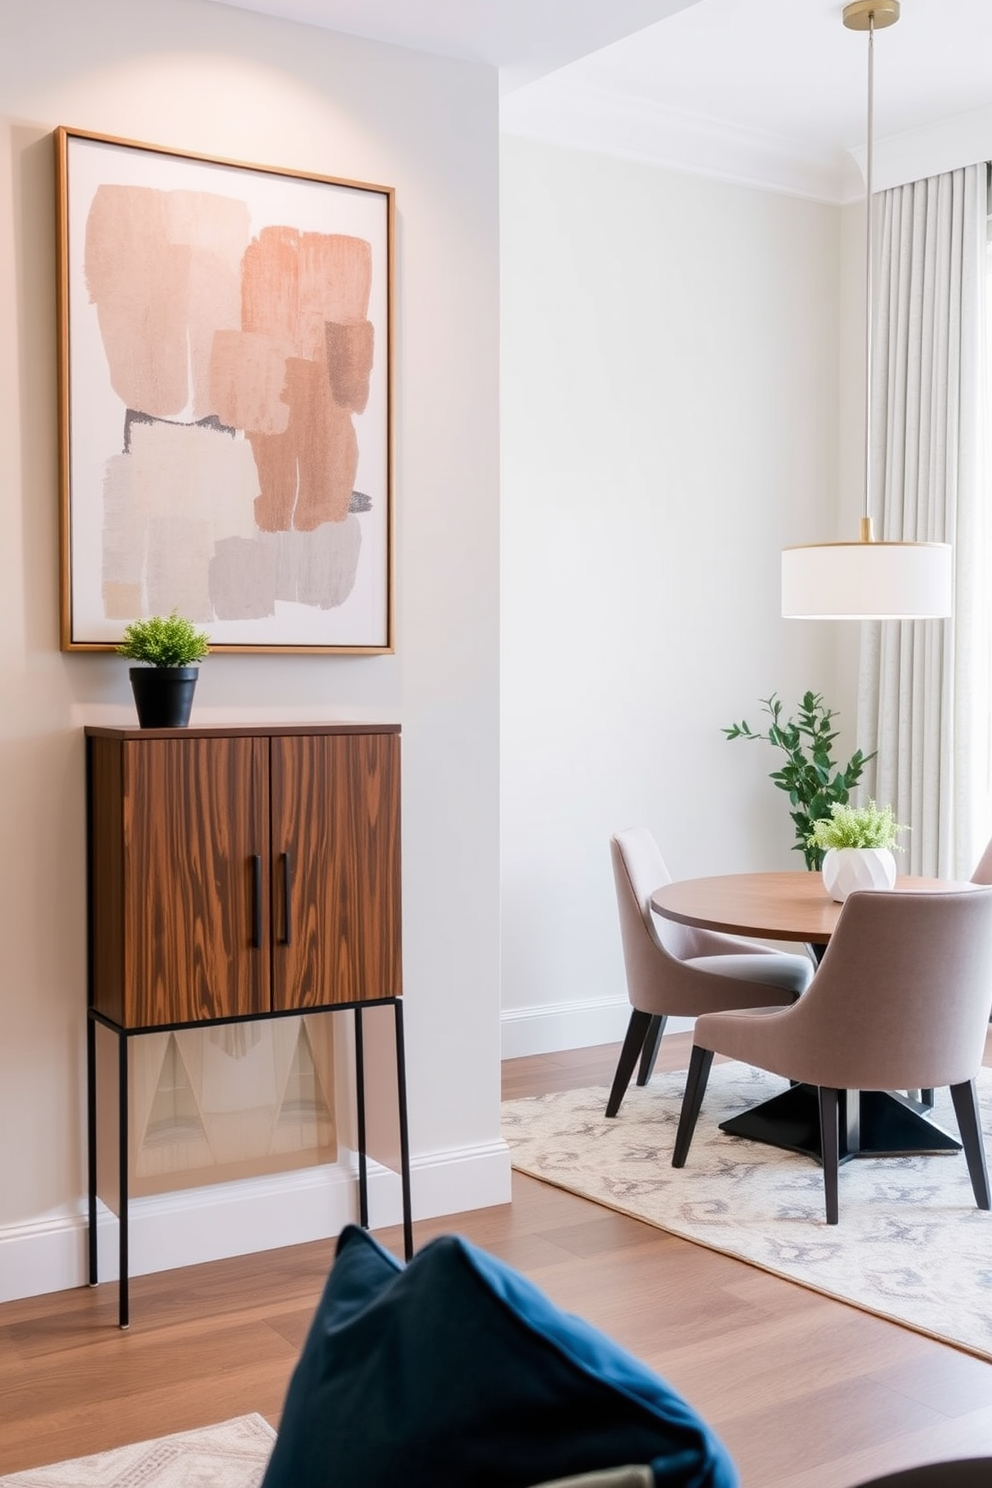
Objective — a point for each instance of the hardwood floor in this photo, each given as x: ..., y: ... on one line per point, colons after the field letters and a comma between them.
x: 805, y: 1391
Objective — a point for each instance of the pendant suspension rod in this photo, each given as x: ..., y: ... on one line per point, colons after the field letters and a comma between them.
x: 866, y: 532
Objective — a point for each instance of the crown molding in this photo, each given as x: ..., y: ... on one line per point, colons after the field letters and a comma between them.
x: 930, y: 150
x: 578, y: 116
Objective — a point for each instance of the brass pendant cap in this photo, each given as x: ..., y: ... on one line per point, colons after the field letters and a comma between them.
x: 861, y: 15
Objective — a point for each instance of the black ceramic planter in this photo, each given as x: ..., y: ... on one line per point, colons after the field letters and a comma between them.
x: 163, y: 696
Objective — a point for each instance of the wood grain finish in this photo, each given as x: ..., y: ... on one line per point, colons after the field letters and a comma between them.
x: 105, y: 876
x: 336, y: 869
x: 175, y: 826
x: 195, y: 826
x: 208, y: 845
x: 773, y: 906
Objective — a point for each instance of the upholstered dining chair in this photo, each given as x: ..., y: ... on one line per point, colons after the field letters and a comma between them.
x: 679, y: 971
x: 981, y: 875
x: 900, y: 1001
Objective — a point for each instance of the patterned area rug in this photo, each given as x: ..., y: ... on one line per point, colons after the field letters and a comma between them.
x: 231, y: 1455
x: 911, y: 1245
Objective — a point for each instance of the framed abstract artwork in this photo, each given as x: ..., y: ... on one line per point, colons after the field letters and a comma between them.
x: 224, y: 399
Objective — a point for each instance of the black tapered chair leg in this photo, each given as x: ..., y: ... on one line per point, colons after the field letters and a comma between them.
x: 637, y: 1031
x: 965, y: 1098
x: 926, y: 1098
x: 830, y: 1148
x: 652, y: 1043
x: 695, y: 1088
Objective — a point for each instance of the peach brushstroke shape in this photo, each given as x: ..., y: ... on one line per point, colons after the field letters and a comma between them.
x: 163, y: 270
x: 309, y: 292
x: 307, y: 474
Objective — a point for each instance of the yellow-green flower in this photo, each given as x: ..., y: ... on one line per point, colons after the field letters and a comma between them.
x: 857, y: 826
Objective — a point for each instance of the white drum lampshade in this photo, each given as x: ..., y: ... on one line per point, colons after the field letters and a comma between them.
x: 867, y: 581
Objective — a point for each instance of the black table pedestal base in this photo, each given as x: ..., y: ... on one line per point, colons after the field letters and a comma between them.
x: 873, y: 1123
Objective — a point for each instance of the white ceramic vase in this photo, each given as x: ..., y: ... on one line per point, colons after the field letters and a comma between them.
x: 848, y: 868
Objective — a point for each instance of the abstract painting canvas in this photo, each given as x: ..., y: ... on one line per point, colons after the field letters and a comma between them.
x: 224, y: 382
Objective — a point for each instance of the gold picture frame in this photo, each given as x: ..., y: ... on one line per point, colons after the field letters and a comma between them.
x: 225, y: 399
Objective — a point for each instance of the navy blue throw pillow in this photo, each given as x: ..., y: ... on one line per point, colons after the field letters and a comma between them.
x: 457, y: 1371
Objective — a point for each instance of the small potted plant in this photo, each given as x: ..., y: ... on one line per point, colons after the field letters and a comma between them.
x: 858, y: 843
x: 169, y: 648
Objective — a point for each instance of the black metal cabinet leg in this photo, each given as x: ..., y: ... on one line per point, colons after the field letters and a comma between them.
x: 123, y: 1142
x: 404, y: 1132
x: 363, y: 1164
x: 123, y: 1316
x: 91, y: 1238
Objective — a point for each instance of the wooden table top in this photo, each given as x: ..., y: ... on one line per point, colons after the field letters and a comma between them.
x: 771, y: 906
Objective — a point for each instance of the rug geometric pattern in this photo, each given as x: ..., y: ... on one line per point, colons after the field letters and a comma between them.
x: 232, y: 1454
x: 911, y: 1246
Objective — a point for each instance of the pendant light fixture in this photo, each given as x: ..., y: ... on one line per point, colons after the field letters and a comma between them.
x: 867, y: 580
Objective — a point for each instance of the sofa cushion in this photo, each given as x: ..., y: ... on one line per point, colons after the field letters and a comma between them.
x: 456, y: 1370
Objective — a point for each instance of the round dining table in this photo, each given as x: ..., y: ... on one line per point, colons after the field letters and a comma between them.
x: 795, y: 906
x: 769, y: 906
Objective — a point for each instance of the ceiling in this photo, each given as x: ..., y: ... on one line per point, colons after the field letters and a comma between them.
x: 523, y: 39
x: 767, y: 92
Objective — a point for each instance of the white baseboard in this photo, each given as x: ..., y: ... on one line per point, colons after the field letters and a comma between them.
x: 569, y: 1025
x: 229, y: 1219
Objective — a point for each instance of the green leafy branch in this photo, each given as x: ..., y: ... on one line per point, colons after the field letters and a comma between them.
x: 810, y: 776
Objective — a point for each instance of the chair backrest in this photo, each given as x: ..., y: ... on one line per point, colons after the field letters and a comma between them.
x: 902, y: 996
x: 983, y: 873
x: 639, y: 869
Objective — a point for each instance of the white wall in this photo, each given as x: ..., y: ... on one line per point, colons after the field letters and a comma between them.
x: 670, y: 405
x: 221, y: 81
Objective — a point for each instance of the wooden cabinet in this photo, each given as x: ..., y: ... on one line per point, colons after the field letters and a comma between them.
x: 242, y: 872
x: 238, y: 874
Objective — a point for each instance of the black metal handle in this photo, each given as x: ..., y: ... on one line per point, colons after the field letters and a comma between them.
x: 287, y: 899
x: 256, y: 904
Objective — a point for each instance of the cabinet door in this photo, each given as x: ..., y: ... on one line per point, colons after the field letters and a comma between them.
x: 196, y: 862
x: 335, y: 868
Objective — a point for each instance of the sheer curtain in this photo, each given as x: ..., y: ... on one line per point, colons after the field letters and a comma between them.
x: 924, y: 686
